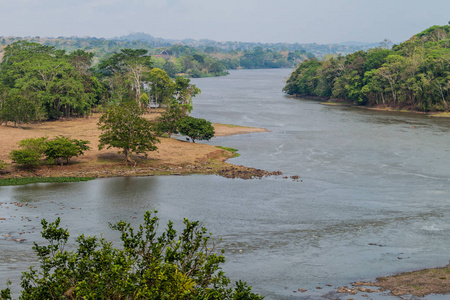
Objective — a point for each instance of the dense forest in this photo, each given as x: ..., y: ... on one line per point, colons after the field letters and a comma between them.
x: 39, y: 82
x: 182, y: 59
x: 413, y: 75
x: 194, y: 58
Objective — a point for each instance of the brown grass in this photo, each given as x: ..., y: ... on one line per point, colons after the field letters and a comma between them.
x: 172, y: 157
x: 417, y: 283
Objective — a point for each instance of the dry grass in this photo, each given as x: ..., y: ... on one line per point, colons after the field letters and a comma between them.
x: 173, y: 156
x: 417, y: 283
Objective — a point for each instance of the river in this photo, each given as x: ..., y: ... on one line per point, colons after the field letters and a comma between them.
x: 366, y: 177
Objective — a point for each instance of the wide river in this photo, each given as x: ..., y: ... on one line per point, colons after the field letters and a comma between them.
x: 368, y: 178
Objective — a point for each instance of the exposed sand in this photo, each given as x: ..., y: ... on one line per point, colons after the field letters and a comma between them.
x: 417, y: 283
x: 172, y: 157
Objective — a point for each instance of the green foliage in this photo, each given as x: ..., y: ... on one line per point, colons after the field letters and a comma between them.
x: 3, y: 165
x: 184, y: 92
x: 413, y: 75
x: 38, y: 145
x: 28, y: 180
x: 124, y: 127
x: 304, y: 79
x: 41, y: 82
x: 162, y: 87
x: 60, y: 148
x: 63, y: 149
x: 26, y: 158
x: 148, y: 265
x: 31, y: 152
x: 167, y: 122
x: 196, y: 128
x: 233, y: 150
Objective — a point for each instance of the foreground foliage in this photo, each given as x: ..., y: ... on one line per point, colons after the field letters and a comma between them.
x: 150, y: 266
x: 413, y: 75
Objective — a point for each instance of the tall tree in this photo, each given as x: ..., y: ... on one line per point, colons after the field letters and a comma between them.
x: 124, y: 127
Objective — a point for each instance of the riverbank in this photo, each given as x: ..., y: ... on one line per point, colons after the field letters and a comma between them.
x: 338, y: 102
x: 388, y: 109
x: 417, y: 283
x: 173, y: 157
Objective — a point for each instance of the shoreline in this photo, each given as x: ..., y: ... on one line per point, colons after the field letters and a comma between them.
x: 418, y: 283
x: 173, y: 157
x: 345, y: 103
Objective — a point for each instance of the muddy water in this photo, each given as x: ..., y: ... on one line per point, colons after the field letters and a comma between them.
x: 374, y: 197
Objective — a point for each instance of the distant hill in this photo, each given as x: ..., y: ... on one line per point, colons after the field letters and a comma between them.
x: 319, y: 50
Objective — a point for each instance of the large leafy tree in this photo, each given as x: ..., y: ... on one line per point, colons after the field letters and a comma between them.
x: 127, y: 71
x: 44, y: 80
x: 124, y: 127
x: 184, y: 92
x: 196, y: 128
x: 161, y: 87
x: 168, y: 121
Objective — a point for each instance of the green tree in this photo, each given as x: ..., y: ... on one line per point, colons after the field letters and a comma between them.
x: 124, y: 127
x: 148, y: 266
x: 161, y: 87
x: 63, y: 149
x: 184, y: 92
x: 131, y: 67
x: 44, y: 80
x: 167, y: 122
x: 16, y: 107
x: 30, y: 153
x: 196, y: 128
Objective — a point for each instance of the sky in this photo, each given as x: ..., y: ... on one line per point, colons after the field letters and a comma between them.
x: 267, y: 21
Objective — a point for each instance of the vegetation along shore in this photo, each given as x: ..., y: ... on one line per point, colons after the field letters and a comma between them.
x: 412, y: 76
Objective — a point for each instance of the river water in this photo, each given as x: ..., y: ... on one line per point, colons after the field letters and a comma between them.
x: 373, y: 197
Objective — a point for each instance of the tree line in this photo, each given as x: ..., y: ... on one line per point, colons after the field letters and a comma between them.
x: 38, y: 82
x: 413, y: 75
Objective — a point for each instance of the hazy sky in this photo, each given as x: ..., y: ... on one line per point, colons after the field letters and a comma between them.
x: 302, y: 21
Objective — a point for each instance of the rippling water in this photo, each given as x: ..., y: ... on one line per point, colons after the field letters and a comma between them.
x: 367, y: 178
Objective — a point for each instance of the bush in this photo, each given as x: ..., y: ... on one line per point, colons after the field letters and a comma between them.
x: 168, y: 266
x: 26, y: 157
x: 58, y: 149
x: 63, y: 149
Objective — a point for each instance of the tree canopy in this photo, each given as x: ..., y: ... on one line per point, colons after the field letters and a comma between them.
x: 413, y: 75
x: 149, y: 265
x: 196, y: 128
x: 124, y: 127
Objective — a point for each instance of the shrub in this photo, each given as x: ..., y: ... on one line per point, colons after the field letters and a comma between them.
x: 63, y: 149
x: 26, y: 157
x: 168, y: 266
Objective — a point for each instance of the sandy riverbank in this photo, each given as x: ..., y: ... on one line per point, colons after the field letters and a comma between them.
x: 417, y: 283
x: 388, y: 109
x: 173, y: 156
